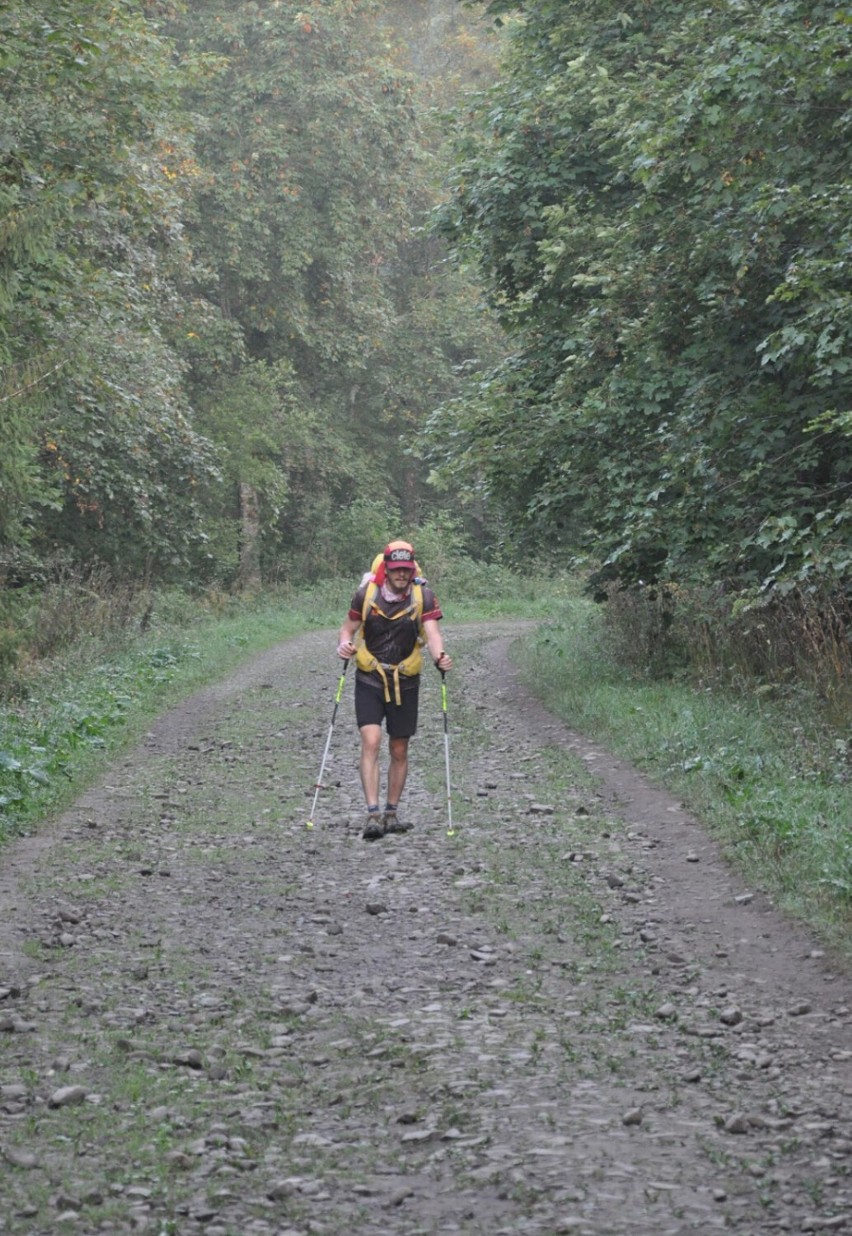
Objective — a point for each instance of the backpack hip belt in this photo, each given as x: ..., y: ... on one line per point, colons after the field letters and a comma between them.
x: 409, y: 668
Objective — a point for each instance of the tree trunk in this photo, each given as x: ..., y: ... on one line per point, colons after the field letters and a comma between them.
x: 249, y: 572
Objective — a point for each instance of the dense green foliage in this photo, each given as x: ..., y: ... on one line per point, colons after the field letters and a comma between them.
x: 306, y: 153
x: 103, y: 457
x: 224, y: 320
x: 216, y: 304
x: 659, y: 198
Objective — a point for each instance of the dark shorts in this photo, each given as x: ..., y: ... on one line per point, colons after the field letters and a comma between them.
x: 371, y: 708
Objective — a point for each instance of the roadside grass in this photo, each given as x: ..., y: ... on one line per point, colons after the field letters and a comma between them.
x: 761, y: 766
x: 70, y: 714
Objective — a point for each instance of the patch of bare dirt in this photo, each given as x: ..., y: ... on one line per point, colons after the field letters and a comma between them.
x: 568, y: 1016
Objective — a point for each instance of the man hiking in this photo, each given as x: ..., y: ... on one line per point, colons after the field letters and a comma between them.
x: 395, y: 613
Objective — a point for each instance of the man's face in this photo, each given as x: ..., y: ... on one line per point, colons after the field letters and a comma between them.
x: 399, y: 577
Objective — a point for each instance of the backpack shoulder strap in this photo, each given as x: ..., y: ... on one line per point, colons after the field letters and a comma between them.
x: 416, y: 609
x: 370, y: 594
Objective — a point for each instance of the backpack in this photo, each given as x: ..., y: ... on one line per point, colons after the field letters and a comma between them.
x: 413, y: 663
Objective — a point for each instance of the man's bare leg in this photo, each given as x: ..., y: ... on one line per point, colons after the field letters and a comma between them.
x: 398, y: 771
x: 371, y: 741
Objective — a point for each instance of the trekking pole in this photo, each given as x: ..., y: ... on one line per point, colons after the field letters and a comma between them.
x: 310, y: 823
x: 450, y: 829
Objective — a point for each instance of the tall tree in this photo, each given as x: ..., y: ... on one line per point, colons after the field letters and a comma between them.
x: 659, y: 199
x: 90, y: 202
x: 221, y: 321
x: 316, y: 179
x: 306, y: 141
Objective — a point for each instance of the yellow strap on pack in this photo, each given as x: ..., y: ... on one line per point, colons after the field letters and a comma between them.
x: 409, y: 668
x: 413, y: 663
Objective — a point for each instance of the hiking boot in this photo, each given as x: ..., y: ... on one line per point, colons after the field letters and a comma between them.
x: 392, y: 824
x: 375, y: 827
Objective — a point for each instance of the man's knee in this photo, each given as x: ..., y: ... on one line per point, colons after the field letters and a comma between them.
x: 371, y: 739
x: 398, y: 749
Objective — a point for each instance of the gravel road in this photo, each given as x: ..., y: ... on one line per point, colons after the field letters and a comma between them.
x: 567, y: 1017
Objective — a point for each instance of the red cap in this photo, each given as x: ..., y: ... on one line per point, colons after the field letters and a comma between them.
x: 399, y: 557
